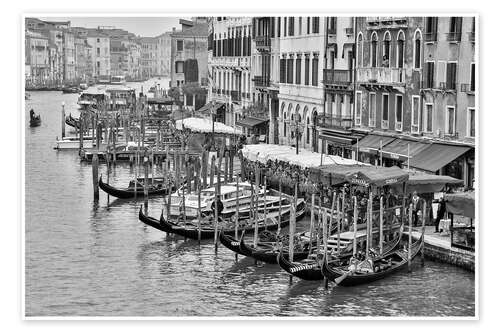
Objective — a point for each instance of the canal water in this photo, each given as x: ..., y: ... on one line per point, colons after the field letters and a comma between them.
x: 83, y: 259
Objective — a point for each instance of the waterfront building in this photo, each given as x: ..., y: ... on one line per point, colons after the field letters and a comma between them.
x: 101, y: 57
x: 37, y: 58
x: 265, y: 78
x: 164, y: 54
x: 231, y: 67
x: 83, y: 59
x: 189, y: 58
x: 148, y: 60
x: 301, y: 93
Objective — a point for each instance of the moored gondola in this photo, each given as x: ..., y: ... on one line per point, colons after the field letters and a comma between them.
x: 35, y: 121
x: 129, y: 192
x: 230, y: 242
x: 151, y: 221
x: 310, y: 268
x: 383, y: 266
x: 73, y: 122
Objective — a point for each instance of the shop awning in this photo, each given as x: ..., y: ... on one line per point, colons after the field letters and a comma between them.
x: 250, y: 122
x: 398, y: 149
x: 336, y: 139
x: 436, y: 156
x: 371, y: 143
x: 461, y: 203
x: 422, y: 182
x: 208, y: 107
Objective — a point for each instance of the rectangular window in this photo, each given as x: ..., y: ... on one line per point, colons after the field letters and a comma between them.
x: 398, y: 125
x: 289, y: 71
x: 180, y: 45
x: 471, y: 122
x: 415, y: 114
x: 441, y: 75
x: 417, y: 54
x: 359, y: 98
x: 291, y: 26
x: 315, y: 71
x: 473, y: 77
x: 306, y: 71
x: 428, y: 118
x: 308, y: 25
x: 451, y: 75
x: 98, y: 51
x: 371, y: 109
x: 450, y: 120
x: 297, y: 70
x: 284, y: 27
x: 283, y: 70
x: 385, y: 111
x: 179, y: 66
x: 429, y: 74
x: 279, y: 27
x: 315, y: 25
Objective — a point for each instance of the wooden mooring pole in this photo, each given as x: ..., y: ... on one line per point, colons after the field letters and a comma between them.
x: 424, y: 218
x: 410, y: 222
x: 63, y: 122
x: 95, y: 176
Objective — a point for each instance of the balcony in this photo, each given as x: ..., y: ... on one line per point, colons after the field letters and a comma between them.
x: 349, y: 31
x: 381, y: 75
x: 235, y: 95
x: 430, y: 36
x: 261, y: 81
x: 334, y: 122
x: 386, y: 22
x: 454, y: 36
x: 263, y: 43
x: 340, y: 77
x: 468, y: 88
x: 331, y: 31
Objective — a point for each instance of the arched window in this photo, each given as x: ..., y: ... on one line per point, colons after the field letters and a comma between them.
x: 400, y: 49
x: 359, y: 50
x: 373, y: 49
x: 417, y: 46
x: 386, y: 57
x: 284, y: 123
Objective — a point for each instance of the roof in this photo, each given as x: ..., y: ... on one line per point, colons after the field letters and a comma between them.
x: 462, y: 203
x: 436, y: 156
x: 251, y: 122
x: 422, y: 182
x: 165, y: 101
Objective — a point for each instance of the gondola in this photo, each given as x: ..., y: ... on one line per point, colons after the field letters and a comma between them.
x: 152, y: 222
x: 73, y: 122
x: 310, y: 269
x: 35, y: 121
x: 71, y: 90
x: 383, y: 266
x: 129, y: 192
x: 230, y: 242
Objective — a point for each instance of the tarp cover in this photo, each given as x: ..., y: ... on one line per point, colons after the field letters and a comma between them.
x: 461, y: 203
x: 201, y: 125
x: 422, y: 182
x: 364, y: 175
x: 305, y: 158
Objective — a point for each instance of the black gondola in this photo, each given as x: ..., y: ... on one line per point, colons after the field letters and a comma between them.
x: 383, y: 266
x: 35, y: 121
x: 129, y: 192
x: 230, y: 242
x: 71, y: 90
x: 151, y: 221
x: 310, y: 269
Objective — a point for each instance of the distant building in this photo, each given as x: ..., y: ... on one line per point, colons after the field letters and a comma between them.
x: 148, y: 60
x: 37, y: 58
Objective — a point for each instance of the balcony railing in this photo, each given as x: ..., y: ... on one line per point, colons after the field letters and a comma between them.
x: 430, y: 36
x: 467, y: 88
x: 235, y: 95
x: 454, y: 36
x: 261, y: 81
x: 349, y: 31
x: 332, y: 31
x: 263, y: 43
x: 337, y: 76
x: 381, y: 75
x: 334, y: 122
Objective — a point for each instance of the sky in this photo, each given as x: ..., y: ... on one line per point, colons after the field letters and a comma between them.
x: 143, y: 26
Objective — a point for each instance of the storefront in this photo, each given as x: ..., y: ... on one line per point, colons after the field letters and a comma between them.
x: 255, y: 129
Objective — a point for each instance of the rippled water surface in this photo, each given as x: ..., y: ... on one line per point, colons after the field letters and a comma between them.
x: 86, y: 260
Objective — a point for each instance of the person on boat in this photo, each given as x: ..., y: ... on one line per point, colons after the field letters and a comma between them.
x: 32, y: 114
x: 217, y: 205
x: 366, y: 266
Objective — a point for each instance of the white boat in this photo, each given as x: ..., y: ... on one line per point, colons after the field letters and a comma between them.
x: 117, y: 79
x: 73, y: 142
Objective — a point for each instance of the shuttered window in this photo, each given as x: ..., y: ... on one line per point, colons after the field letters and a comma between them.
x: 315, y: 23
x: 289, y: 71
x: 291, y: 26
x: 315, y: 71
x: 297, y: 70
x: 306, y: 71
x: 451, y: 75
x: 283, y: 70
x: 429, y: 75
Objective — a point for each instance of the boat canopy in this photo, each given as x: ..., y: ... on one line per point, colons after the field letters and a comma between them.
x: 201, y: 125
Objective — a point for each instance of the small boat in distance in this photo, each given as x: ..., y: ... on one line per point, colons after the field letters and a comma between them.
x: 71, y: 90
x: 117, y: 79
x: 35, y: 120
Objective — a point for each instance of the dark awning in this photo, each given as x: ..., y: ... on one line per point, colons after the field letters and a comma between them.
x: 160, y: 101
x: 398, y: 149
x: 436, y: 156
x: 461, y: 203
x: 365, y: 175
x: 250, y: 122
x: 371, y: 143
x: 422, y: 182
x: 337, y: 139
